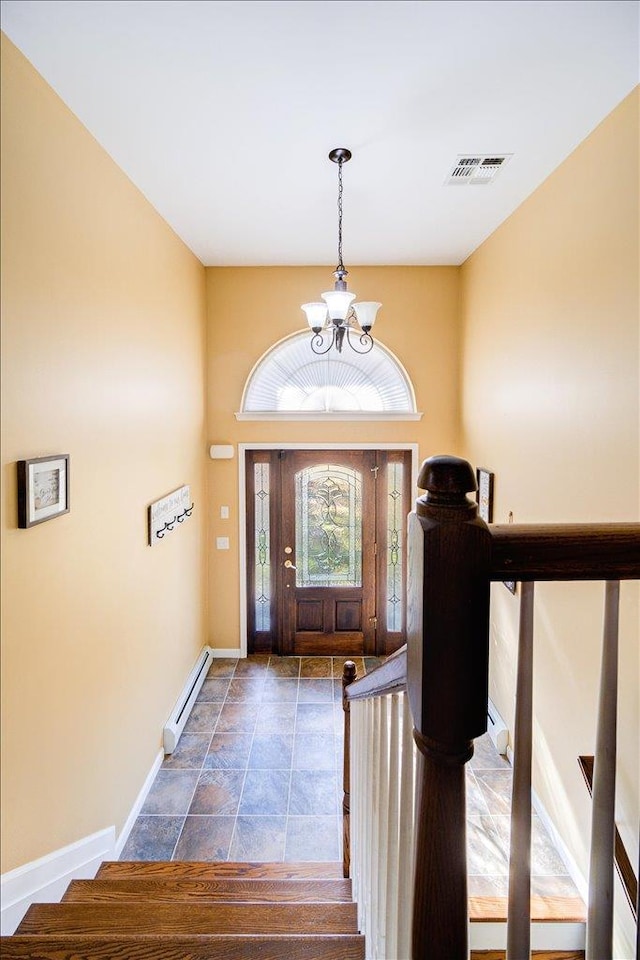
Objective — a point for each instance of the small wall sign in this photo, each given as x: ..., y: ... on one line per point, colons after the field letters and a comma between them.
x: 167, y: 514
x: 485, y: 494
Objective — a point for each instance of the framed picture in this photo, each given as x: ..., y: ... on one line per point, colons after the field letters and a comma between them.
x: 485, y: 494
x: 43, y: 489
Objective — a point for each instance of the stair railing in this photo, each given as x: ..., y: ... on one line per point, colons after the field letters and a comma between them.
x: 382, y: 765
x: 452, y: 558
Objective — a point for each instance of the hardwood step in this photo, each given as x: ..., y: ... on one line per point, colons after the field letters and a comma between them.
x: 158, y: 889
x: 97, y: 919
x: 543, y: 909
x: 80, y: 947
x: 210, y: 870
x: 535, y: 954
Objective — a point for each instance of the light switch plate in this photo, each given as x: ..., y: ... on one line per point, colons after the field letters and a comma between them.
x: 222, y: 543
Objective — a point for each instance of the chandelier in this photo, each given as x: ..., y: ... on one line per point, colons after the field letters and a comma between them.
x: 338, y: 314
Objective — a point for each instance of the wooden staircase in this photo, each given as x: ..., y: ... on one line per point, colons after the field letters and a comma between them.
x: 179, y: 910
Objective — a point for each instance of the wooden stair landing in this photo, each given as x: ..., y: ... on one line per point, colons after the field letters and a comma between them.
x: 543, y: 910
x: 557, y: 923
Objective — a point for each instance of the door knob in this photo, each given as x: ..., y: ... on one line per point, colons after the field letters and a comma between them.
x: 289, y: 565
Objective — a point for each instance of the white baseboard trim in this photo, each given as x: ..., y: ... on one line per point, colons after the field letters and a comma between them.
x: 565, y: 855
x: 137, y: 806
x: 228, y: 652
x: 46, y: 879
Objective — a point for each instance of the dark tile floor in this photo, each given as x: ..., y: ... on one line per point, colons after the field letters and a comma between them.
x: 489, y: 778
x: 257, y: 775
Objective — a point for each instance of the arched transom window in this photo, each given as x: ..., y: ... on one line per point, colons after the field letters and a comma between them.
x: 291, y: 379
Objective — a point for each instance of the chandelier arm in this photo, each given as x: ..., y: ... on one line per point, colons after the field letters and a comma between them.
x: 366, y: 340
x: 317, y: 340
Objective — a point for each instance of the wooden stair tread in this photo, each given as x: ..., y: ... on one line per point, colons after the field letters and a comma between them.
x: 211, y: 869
x: 212, y: 947
x: 535, y: 954
x: 190, y: 918
x: 543, y: 910
x: 194, y: 889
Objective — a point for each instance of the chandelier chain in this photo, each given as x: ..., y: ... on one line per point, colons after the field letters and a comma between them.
x: 340, y: 263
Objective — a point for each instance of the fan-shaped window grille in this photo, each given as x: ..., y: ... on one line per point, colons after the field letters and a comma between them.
x: 289, y: 377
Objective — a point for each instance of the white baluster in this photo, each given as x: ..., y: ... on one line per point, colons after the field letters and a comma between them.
x: 408, y: 804
x: 600, y: 909
x: 519, y: 913
x: 391, y: 918
x: 374, y: 822
x: 383, y: 829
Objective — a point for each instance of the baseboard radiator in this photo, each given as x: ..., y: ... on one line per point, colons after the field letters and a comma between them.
x: 497, y: 729
x: 180, y: 713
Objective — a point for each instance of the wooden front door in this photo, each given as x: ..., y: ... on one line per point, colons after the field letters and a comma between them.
x: 327, y: 560
x: 326, y: 553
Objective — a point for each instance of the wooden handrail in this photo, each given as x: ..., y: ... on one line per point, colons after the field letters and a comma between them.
x: 389, y: 677
x: 565, y: 551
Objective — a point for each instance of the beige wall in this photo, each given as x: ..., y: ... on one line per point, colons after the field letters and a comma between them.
x: 103, y: 358
x: 550, y: 403
x: 249, y: 310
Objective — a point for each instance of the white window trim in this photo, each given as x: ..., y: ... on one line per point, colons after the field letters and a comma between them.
x: 329, y: 415
x: 319, y: 415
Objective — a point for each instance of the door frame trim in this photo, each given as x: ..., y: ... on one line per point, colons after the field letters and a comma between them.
x: 242, y: 501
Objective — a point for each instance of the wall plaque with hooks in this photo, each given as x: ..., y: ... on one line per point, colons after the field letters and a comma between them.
x: 167, y: 514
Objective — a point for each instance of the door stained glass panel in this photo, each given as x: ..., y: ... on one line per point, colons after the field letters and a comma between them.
x: 328, y: 523
x: 262, y: 548
x: 395, y: 520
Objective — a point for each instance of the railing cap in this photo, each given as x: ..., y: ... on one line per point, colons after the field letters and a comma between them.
x: 447, y: 477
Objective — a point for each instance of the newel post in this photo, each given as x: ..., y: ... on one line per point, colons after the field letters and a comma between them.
x: 447, y: 669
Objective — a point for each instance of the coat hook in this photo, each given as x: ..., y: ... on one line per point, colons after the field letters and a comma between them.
x: 190, y: 510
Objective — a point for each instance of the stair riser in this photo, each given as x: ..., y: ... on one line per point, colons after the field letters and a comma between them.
x: 210, y: 871
x: 96, y: 919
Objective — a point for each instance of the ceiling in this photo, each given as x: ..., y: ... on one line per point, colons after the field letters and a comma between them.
x: 223, y: 113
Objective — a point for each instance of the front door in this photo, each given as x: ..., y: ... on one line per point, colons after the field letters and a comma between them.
x: 326, y: 554
x: 327, y: 561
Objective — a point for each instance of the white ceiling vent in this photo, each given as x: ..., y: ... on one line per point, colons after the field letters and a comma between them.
x: 478, y: 169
